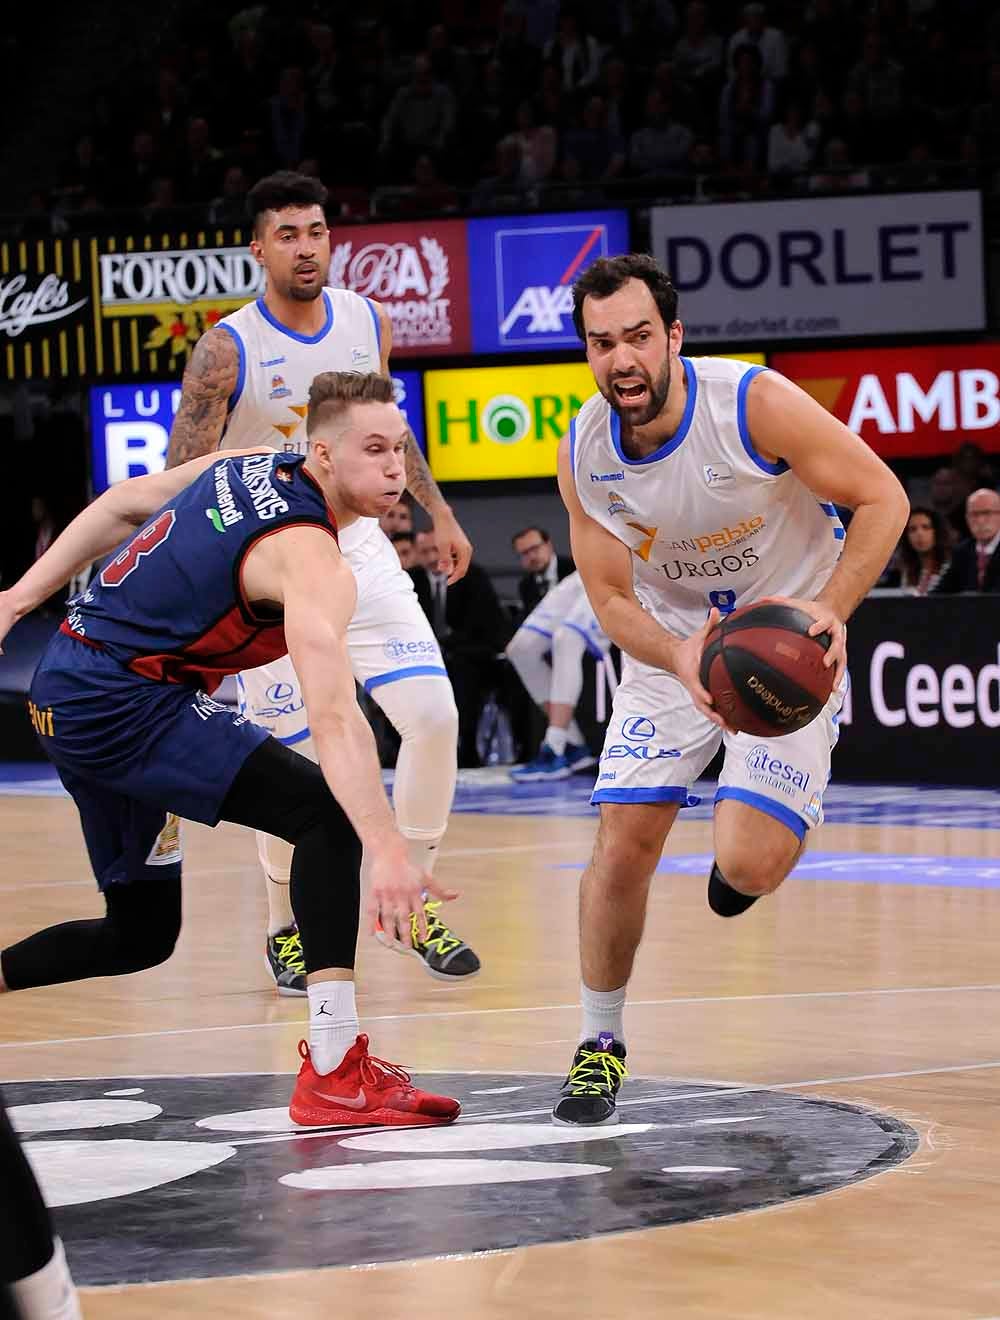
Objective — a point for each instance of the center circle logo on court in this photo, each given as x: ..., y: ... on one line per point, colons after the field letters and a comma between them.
x: 142, y: 1172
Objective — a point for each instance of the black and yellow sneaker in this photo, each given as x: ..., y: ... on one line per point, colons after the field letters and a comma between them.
x: 285, y: 961
x: 446, y: 955
x: 587, y: 1096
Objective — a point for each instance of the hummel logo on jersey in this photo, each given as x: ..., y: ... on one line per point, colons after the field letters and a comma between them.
x: 274, y: 362
x: 607, y: 476
x: 717, y: 472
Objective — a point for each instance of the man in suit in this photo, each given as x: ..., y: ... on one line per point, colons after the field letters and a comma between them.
x: 471, y: 628
x: 975, y: 563
x: 543, y: 568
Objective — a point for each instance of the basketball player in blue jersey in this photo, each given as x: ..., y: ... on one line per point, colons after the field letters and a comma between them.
x: 695, y: 486
x: 235, y: 562
x: 247, y: 384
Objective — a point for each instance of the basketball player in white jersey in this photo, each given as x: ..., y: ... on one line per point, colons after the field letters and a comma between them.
x: 564, y: 628
x: 248, y: 383
x: 695, y: 486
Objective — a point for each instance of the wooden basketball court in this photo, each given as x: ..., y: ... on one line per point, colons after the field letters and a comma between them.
x: 812, y: 1128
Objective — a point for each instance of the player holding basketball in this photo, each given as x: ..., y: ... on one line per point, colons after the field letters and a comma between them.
x: 247, y: 384
x: 717, y: 473
x: 235, y: 562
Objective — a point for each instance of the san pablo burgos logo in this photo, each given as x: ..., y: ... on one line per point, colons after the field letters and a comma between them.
x: 21, y: 306
x: 408, y: 282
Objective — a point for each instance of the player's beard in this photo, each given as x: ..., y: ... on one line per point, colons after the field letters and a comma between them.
x: 302, y: 292
x: 659, y: 391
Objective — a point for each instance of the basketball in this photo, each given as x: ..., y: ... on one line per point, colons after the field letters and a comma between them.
x: 764, y: 672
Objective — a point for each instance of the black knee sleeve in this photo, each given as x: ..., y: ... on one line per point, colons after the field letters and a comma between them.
x: 723, y: 899
x: 282, y: 793
x: 138, y: 930
x: 26, y: 1241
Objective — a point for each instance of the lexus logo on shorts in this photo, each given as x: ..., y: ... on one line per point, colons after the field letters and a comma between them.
x: 637, y: 728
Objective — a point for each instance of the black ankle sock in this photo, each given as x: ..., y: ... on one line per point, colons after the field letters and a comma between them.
x: 723, y: 899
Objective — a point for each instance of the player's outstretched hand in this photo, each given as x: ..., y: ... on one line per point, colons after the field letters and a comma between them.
x: 454, y: 547
x: 687, y: 664
x: 827, y: 620
x: 397, y: 889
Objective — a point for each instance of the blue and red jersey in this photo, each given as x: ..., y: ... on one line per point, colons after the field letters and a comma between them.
x: 170, y: 605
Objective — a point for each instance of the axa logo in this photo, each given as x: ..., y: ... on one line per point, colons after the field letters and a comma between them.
x: 536, y: 267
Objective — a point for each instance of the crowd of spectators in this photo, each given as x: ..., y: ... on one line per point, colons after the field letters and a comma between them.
x: 489, y: 105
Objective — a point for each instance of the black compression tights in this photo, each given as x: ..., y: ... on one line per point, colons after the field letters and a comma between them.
x: 139, y: 930
x: 282, y: 793
x: 26, y: 1240
x: 276, y: 791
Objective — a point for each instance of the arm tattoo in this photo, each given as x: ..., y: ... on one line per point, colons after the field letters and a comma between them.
x: 419, y: 481
x: 209, y: 380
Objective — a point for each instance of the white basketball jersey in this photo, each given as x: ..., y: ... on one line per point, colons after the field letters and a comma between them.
x: 708, y: 520
x: 277, y: 367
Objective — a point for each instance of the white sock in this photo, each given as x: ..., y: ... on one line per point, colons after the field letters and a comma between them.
x: 603, y: 1011
x: 556, y: 739
x: 48, y: 1294
x: 574, y: 734
x: 333, y: 1022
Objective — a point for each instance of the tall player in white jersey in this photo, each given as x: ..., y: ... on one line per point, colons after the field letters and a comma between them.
x: 248, y: 383
x: 695, y: 486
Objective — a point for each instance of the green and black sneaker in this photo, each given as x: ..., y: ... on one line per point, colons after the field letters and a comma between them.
x: 587, y: 1096
x: 445, y: 955
x: 285, y: 961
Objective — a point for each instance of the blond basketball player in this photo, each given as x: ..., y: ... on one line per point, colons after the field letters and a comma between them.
x: 247, y: 384
x: 695, y: 486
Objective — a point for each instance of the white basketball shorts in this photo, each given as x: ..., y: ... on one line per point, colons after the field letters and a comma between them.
x: 566, y: 605
x: 658, y: 743
x: 389, y: 639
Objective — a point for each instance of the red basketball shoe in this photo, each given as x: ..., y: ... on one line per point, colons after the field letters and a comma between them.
x: 363, y: 1091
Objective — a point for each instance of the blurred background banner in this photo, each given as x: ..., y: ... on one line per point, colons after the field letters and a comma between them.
x: 907, y: 402
x: 419, y: 272
x: 47, y: 311
x: 159, y: 292
x: 806, y: 269
x: 129, y: 429
x: 924, y: 704
x: 523, y: 268
x: 489, y: 423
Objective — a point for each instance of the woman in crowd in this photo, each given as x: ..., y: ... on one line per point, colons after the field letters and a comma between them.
x: 924, y: 551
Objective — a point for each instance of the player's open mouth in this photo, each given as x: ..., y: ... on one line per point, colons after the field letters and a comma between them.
x: 630, y: 392
x: 306, y: 272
